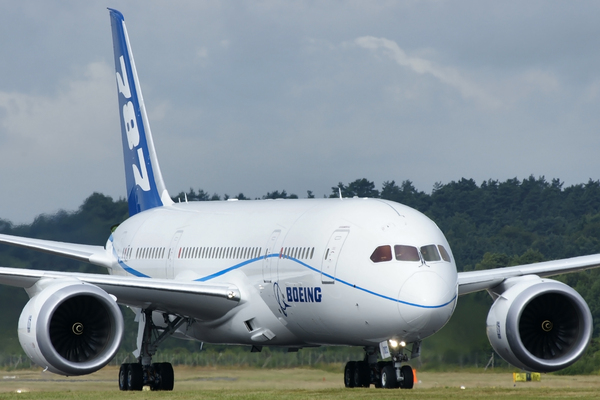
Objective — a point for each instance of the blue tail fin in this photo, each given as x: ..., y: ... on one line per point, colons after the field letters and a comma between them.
x: 145, y: 186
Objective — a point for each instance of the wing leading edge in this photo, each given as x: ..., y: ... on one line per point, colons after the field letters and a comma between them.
x: 198, y: 300
x: 96, y: 255
x: 474, y: 281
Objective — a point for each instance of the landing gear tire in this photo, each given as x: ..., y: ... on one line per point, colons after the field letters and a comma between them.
x: 164, y: 376
x: 380, y: 366
x: 362, y: 374
x: 123, y: 372
x: 349, y: 372
x: 135, y: 377
x: 388, y: 377
x: 408, y: 376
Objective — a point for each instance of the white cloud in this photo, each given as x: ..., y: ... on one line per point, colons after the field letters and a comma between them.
x: 58, y: 125
x: 202, y: 53
x: 71, y: 134
x: 592, y: 91
x: 446, y: 75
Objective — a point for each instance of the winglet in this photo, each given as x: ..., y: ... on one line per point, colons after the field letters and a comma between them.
x: 145, y: 185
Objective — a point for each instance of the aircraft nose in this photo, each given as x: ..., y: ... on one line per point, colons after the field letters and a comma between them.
x: 426, y: 301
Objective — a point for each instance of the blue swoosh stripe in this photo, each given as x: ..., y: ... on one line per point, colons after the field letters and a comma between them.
x: 126, y: 267
x: 370, y: 291
x: 240, y: 265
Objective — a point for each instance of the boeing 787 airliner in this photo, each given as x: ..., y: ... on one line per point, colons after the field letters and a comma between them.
x: 287, y: 273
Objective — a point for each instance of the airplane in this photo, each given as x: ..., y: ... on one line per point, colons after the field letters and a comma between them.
x: 288, y: 273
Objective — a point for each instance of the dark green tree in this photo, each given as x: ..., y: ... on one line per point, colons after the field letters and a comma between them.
x: 359, y: 188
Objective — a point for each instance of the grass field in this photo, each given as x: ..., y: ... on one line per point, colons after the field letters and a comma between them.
x: 247, y: 383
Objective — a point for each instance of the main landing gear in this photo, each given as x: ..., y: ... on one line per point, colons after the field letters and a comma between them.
x: 158, y: 376
x: 383, y: 374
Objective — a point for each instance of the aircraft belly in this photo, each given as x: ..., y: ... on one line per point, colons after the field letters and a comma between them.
x: 252, y: 323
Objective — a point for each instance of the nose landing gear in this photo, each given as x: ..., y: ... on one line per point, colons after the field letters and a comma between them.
x: 382, y: 374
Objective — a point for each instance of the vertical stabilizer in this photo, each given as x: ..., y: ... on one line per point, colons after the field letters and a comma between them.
x: 145, y: 185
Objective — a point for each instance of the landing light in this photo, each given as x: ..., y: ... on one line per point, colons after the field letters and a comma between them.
x: 394, y: 343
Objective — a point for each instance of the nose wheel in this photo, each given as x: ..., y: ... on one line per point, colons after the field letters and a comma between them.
x: 382, y: 374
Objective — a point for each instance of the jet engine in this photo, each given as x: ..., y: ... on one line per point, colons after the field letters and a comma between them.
x: 539, y: 324
x: 71, y: 328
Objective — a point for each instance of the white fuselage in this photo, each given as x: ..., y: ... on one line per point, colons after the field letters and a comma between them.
x: 304, y: 268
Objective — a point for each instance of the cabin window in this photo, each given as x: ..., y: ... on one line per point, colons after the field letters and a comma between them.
x: 430, y: 253
x: 381, y: 254
x: 406, y: 253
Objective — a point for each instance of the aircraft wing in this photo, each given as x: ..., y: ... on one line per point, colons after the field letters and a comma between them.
x: 93, y: 254
x: 473, y: 281
x: 199, y: 300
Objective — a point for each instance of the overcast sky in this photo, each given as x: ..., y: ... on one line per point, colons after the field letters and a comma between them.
x: 260, y: 96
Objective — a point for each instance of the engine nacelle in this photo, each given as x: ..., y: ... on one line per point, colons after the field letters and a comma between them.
x: 539, y: 324
x: 71, y: 328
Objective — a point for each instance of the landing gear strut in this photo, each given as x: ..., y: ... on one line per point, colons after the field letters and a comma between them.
x: 159, y: 376
x: 383, y: 374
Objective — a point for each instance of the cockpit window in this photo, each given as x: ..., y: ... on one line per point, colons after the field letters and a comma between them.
x: 406, y: 253
x: 430, y: 253
x: 444, y: 253
x: 382, y: 253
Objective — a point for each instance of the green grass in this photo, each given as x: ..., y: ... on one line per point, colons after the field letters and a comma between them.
x: 298, y: 383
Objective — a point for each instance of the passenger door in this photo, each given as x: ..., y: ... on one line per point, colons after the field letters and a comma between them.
x: 270, y: 261
x: 169, y: 274
x: 332, y: 254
